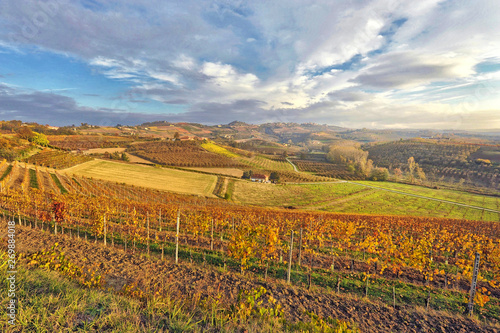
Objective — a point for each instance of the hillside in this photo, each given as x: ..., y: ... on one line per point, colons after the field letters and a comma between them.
x: 443, y: 161
x: 344, y: 265
x: 307, y: 253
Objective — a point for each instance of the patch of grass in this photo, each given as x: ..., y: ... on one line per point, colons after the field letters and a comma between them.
x: 6, y: 172
x: 229, y: 190
x: 76, y: 181
x: 449, y: 195
x: 355, y: 198
x: 58, y: 183
x: 33, y: 179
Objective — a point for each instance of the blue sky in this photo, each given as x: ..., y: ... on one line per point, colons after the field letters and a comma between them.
x: 376, y: 64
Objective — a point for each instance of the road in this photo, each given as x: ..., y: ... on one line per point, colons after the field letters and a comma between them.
x: 294, y: 166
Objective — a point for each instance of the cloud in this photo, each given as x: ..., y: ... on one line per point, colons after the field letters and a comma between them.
x: 54, y: 109
x: 322, y: 61
x: 409, y: 69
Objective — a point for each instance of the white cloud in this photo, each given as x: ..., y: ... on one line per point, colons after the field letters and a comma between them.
x: 279, y: 55
x: 224, y: 78
x: 399, y: 70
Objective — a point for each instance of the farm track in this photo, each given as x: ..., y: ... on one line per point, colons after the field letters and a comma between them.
x: 187, y: 280
x: 293, y: 165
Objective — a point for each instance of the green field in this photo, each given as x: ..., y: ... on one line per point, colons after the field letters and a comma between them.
x: 450, y: 195
x: 355, y: 198
x: 147, y: 176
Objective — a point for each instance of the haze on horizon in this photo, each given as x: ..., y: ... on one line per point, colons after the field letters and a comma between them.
x: 375, y: 64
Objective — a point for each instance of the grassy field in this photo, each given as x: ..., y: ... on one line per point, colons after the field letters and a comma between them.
x: 156, y: 178
x: 354, y: 198
x: 450, y: 195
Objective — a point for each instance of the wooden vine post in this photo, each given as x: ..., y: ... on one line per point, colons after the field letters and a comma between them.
x: 177, y: 238
x: 55, y: 223
x: 300, y: 246
x: 394, y: 297
x: 470, y: 306
x: 104, y: 228
x: 212, y: 236
x: 147, y: 221
x: 290, y: 258
x: 159, y: 219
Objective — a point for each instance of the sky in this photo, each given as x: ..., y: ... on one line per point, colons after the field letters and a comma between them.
x: 360, y: 64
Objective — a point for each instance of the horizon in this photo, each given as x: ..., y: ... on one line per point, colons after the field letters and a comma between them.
x: 381, y: 65
x: 444, y: 130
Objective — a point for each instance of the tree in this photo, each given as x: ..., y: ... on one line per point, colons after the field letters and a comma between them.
x: 398, y: 173
x: 346, y: 154
x: 40, y: 139
x: 420, y: 173
x: 4, y: 143
x: 25, y: 133
x: 274, y: 176
x: 411, y: 168
x: 125, y: 157
x: 176, y: 136
x: 247, y: 174
x: 379, y: 174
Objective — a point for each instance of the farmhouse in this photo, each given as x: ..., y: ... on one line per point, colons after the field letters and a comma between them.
x: 259, y: 178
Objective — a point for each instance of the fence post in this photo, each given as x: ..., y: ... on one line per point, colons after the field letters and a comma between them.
x: 147, y: 220
x: 212, y: 236
x: 290, y: 258
x: 470, y: 306
x: 394, y: 297
x: 300, y: 246
x: 104, y: 227
x: 177, y: 238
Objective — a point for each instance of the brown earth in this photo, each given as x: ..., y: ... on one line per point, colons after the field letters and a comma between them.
x: 189, y: 281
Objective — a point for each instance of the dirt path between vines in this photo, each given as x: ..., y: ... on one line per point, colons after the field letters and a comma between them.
x: 189, y: 281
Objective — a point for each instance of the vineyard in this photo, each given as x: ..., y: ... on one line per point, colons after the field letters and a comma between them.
x: 268, y: 163
x: 83, y: 142
x: 262, y: 147
x: 398, y: 262
x: 447, y: 161
x: 282, y: 167
x: 181, y: 153
x: 426, y: 260
x: 325, y: 169
x: 57, y: 159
